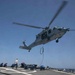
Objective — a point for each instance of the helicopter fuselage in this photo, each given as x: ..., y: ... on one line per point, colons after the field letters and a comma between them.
x: 46, y: 36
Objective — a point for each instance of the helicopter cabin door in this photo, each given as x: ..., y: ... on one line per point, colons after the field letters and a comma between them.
x: 44, y: 35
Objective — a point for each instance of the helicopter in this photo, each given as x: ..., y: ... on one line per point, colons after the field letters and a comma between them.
x: 47, y: 34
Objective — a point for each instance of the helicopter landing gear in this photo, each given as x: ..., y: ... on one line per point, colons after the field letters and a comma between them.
x: 28, y: 50
x: 57, y: 40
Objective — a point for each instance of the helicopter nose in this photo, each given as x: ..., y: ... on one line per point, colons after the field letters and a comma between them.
x: 68, y: 29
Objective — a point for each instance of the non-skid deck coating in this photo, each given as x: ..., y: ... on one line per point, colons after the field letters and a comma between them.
x: 20, y: 71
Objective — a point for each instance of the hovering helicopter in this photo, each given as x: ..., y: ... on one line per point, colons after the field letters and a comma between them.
x: 47, y: 34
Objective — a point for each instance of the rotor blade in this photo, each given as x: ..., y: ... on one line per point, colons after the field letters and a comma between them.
x: 28, y: 25
x: 68, y: 29
x: 59, y: 10
x: 71, y: 29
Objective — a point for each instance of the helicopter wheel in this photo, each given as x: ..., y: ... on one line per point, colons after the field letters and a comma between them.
x: 28, y: 50
x: 57, y: 41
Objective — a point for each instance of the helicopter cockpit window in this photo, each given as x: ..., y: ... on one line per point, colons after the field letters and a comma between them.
x: 37, y: 36
x: 49, y: 31
x: 44, y: 35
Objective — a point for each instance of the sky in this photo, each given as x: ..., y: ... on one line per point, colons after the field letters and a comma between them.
x: 37, y: 13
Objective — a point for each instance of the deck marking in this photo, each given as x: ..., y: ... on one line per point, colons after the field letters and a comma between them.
x: 64, y: 72
x: 15, y: 71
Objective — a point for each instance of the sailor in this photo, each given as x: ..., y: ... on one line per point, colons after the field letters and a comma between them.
x: 16, y: 63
